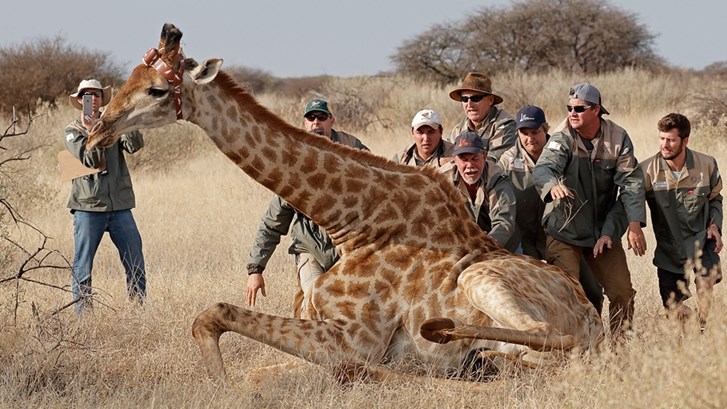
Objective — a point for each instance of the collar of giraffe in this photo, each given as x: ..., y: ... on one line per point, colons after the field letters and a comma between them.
x: 152, y: 59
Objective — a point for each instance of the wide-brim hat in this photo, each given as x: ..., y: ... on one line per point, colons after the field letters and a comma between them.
x: 90, y: 84
x: 478, y: 82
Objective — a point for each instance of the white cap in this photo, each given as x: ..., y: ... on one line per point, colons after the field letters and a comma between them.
x: 426, y: 117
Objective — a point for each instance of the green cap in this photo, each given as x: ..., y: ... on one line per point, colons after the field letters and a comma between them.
x: 317, y: 105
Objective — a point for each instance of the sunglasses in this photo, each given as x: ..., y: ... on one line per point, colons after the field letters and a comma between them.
x: 321, y: 117
x: 578, y: 108
x: 473, y: 98
x: 98, y: 94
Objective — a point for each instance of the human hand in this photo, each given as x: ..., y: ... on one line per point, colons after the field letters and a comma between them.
x: 88, y: 122
x: 559, y: 191
x: 602, y: 245
x: 713, y: 233
x: 636, y: 238
x: 255, y: 282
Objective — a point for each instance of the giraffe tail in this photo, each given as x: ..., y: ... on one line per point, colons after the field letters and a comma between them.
x: 443, y: 330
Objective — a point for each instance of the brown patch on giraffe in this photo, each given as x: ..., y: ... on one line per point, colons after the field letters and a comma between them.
x: 270, y: 154
x: 335, y: 184
x: 355, y: 186
x: 321, y: 204
x: 233, y: 112
x: 383, y: 290
x: 347, y: 309
x: 358, y: 289
x: 336, y: 288
x: 289, y: 157
x: 371, y: 311
x: 350, y: 201
x: 274, y: 179
x: 331, y: 163
x: 317, y: 180
x: 310, y: 164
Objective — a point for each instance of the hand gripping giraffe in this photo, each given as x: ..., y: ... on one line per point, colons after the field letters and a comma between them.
x: 416, y: 275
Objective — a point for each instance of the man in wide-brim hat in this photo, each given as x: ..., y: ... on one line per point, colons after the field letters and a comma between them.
x: 481, y: 115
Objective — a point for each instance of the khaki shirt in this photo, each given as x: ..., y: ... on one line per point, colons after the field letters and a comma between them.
x: 111, y: 189
x: 682, y: 209
x: 597, y: 178
x: 498, y: 130
x: 493, y: 207
x: 518, y: 165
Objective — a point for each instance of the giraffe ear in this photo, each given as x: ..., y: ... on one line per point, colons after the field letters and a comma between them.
x: 207, y: 71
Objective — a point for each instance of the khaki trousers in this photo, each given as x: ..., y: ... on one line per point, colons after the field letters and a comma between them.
x: 308, y: 270
x: 609, y: 269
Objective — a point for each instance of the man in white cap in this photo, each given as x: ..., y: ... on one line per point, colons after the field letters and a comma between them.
x: 101, y: 201
x: 593, y: 188
x: 428, y: 148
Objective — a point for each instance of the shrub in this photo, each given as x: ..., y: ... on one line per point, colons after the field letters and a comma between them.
x: 45, y: 68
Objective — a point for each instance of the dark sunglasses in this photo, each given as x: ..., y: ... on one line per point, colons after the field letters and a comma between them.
x: 578, y: 108
x: 473, y: 98
x: 94, y: 93
x: 321, y: 117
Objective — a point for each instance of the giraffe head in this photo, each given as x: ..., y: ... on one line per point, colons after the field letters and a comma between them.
x: 153, y: 95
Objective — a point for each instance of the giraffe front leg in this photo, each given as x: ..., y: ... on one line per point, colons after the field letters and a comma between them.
x: 319, y: 342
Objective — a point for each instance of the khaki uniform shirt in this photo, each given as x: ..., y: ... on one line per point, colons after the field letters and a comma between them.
x: 682, y: 209
x: 498, y: 130
x: 493, y: 207
x: 599, y: 178
x: 518, y: 165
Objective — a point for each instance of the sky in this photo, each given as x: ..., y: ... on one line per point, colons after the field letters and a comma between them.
x: 294, y: 38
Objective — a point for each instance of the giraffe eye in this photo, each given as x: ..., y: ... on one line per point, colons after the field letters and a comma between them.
x: 156, y: 93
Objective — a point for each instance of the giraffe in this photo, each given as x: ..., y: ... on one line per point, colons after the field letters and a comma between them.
x: 415, y: 275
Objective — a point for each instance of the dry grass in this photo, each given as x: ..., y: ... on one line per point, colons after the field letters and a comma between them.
x: 198, y: 219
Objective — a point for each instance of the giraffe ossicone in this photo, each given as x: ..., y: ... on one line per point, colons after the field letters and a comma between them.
x: 409, y: 252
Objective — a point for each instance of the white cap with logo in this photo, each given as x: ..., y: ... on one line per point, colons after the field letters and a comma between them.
x: 426, y: 117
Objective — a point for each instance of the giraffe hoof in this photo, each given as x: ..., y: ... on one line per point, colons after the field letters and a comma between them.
x: 431, y: 330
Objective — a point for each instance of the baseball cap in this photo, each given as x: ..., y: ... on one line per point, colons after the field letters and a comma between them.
x: 317, y: 105
x: 468, y: 142
x: 426, y: 117
x: 529, y: 116
x: 587, y: 92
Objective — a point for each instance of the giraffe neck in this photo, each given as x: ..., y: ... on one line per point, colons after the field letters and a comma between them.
x: 303, y: 169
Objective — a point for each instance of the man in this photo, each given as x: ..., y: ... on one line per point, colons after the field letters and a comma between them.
x: 518, y: 163
x: 428, y: 147
x: 313, y: 250
x: 481, y: 114
x: 683, y: 192
x: 591, y: 183
x: 102, y: 201
x: 489, y: 193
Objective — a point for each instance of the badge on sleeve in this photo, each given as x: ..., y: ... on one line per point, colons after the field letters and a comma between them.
x: 553, y: 146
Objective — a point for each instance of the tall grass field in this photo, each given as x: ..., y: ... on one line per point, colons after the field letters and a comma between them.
x: 198, y: 214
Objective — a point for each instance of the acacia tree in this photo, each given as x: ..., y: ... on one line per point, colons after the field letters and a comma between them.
x: 583, y: 36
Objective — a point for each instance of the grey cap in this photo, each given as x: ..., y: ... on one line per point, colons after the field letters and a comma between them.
x: 587, y: 92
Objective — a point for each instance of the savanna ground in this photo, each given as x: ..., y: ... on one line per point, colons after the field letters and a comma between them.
x: 198, y: 214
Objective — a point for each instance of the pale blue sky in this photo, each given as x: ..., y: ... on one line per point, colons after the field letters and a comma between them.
x: 300, y: 38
